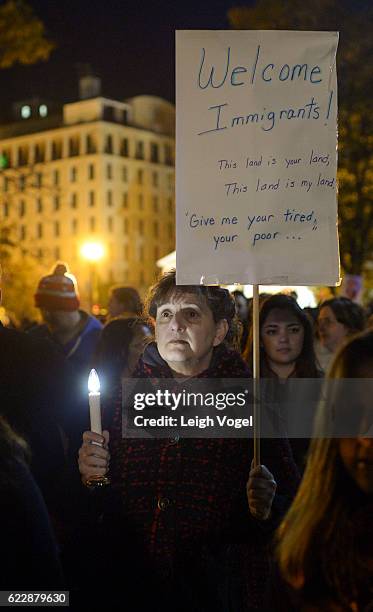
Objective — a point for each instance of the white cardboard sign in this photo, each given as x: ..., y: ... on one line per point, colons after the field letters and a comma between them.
x: 256, y: 157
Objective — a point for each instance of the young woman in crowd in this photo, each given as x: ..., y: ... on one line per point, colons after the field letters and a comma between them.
x: 286, y: 351
x: 121, y: 343
x: 201, y: 515
x: 325, y: 543
x: 338, y: 318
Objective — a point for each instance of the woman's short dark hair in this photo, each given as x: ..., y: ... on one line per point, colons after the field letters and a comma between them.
x: 348, y: 313
x: 306, y: 366
x: 219, y: 301
x: 129, y: 298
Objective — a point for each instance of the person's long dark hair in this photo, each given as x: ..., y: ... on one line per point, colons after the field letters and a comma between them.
x: 306, y: 364
x: 317, y: 534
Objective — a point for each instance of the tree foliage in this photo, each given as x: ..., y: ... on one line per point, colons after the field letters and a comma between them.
x: 22, y: 35
x: 353, y: 19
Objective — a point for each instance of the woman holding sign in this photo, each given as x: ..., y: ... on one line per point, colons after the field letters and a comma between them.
x: 203, y: 515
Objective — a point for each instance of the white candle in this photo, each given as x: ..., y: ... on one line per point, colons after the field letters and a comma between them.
x: 94, y: 401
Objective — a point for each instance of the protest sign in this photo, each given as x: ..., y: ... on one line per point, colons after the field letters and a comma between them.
x: 256, y: 157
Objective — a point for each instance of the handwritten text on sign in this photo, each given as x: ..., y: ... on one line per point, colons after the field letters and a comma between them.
x: 256, y: 157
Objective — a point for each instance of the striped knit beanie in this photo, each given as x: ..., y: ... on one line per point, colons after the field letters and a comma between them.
x: 57, y: 291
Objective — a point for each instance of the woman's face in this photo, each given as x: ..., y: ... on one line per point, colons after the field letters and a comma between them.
x: 331, y: 331
x: 186, y: 333
x: 282, y: 337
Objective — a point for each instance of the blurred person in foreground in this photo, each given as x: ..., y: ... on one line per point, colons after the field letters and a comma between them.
x: 29, y: 558
x: 201, y: 514
x: 325, y: 543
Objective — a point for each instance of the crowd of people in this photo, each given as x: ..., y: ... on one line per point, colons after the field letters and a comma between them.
x: 185, y: 523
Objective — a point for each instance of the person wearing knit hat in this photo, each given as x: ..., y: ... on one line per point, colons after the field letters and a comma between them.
x: 73, y: 330
x: 57, y: 291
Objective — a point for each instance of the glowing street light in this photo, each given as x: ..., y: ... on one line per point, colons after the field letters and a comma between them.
x: 92, y: 251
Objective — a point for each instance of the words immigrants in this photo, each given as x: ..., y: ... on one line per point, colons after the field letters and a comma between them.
x: 228, y: 75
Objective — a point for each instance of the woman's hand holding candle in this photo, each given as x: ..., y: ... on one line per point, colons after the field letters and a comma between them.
x: 94, y: 456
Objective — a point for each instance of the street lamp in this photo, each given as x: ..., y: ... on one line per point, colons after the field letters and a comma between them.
x: 92, y: 252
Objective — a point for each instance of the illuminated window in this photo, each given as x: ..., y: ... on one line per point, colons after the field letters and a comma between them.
x: 25, y: 111
x: 43, y: 110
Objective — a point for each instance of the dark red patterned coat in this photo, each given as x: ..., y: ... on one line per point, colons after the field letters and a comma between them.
x: 185, y: 499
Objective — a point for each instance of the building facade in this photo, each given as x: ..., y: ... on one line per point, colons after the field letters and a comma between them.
x: 98, y: 171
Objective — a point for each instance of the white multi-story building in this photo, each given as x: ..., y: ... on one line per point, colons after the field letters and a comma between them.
x: 100, y: 170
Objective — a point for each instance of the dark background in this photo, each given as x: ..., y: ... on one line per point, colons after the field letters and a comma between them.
x: 129, y: 45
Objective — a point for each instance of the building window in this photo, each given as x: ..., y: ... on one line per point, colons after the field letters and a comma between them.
x: 168, y: 155
x: 56, y: 177
x: 170, y: 181
x: 6, y: 209
x: 92, y: 224
x: 155, y: 180
x: 73, y: 174
x: 74, y: 226
x: 154, y: 152
x: 109, y: 172
x: 25, y: 111
x: 170, y: 205
x: 156, y: 253
x: 125, y: 199
x: 39, y: 153
x: 38, y: 179
x: 125, y: 174
x: 90, y: 146
x: 6, y: 183
x: 56, y: 149
x: 22, y: 208
x: 109, y: 198
x: 56, y: 229
x: 91, y: 198
x: 142, y: 280
x: 139, y: 150
x: 141, y: 227
x: 125, y: 226
x: 40, y: 254
x: 141, y: 201
x: 23, y: 156
x: 124, y: 147
x: 110, y: 224
x: 91, y: 172
x: 74, y: 200
x: 43, y: 110
x: 56, y: 202
x: 141, y: 254
x: 155, y: 229
x: 74, y: 146
x: 39, y: 230
x: 140, y: 176
x: 39, y: 205
x: 22, y: 182
x: 22, y: 233
x: 155, y: 204
x: 108, y: 144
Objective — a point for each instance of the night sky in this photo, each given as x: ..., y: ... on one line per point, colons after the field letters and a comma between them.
x: 130, y: 45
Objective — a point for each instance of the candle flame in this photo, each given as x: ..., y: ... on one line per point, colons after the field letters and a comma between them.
x: 93, y: 383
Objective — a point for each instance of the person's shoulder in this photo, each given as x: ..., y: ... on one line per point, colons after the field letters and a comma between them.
x: 229, y: 363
